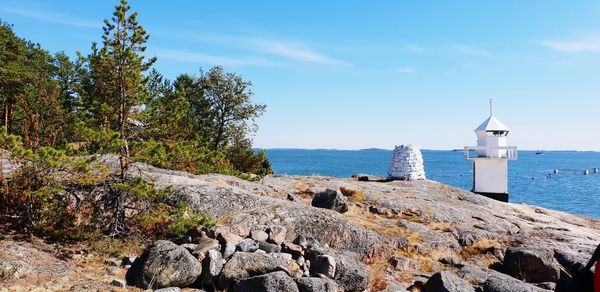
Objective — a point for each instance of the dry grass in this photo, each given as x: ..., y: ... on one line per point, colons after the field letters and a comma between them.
x: 354, y: 196
x: 480, y: 251
x: 442, y: 226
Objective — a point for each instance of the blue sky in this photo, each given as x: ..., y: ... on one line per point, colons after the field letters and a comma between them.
x: 359, y: 74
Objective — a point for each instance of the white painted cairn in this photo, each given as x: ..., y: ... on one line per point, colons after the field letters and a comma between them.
x: 407, y: 163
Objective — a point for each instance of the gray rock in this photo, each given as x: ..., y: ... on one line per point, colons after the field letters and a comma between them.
x: 118, y: 283
x: 350, y: 273
x: 112, y: 262
x: 447, y: 282
x: 259, y: 235
x: 292, y: 197
x: 189, y: 246
x: 314, y: 284
x: 164, y: 264
x: 211, y: 267
x: 301, y: 241
x: 323, y: 264
x: 505, y: 283
x: 248, y: 245
x: 269, y: 247
x: 243, y: 265
x: 294, y: 249
x: 271, y: 282
x: 168, y: 289
x: 546, y: 285
x: 228, y: 250
x: 533, y: 265
x: 204, y: 245
x: 277, y: 234
x: 330, y: 199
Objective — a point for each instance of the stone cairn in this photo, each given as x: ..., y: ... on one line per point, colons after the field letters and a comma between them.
x: 407, y: 163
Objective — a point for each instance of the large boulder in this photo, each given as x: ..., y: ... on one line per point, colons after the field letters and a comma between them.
x: 314, y: 284
x: 271, y: 282
x: 330, y: 199
x: 447, y: 282
x: 504, y: 283
x: 350, y: 273
x: 164, y: 264
x: 535, y: 265
x: 243, y: 265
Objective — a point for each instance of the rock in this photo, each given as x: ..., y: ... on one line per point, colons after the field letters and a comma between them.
x: 112, y: 262
x: 243, y: 265
x: 447, y: 282
x: 118, y: 283
x: 314, y: 284
x: 505, y: 283
x: 197, y: 232
x: 330, y: 199
x: 323, y: 264
x: 204, y: 246
x: 228, y: 250
x: 8, y: 270
x: 184, y: 239
x: 164, y: 264
x: 128, y: 260
x: 168, y: 289
x: 228, y: 237
x: 379, y: 210
x: 211, y: 267
x: 546, y: 285
x: 350, y: 273
x: 301, y: 241
x: 189, y: 246
x: 112, y: 270
x: 248, y: 245
x: 269, y: 247
x: 271, y: 282
x: 259, y: 235
x: 300, y: 261
x: 533, y: 265
x: 277, y: 234
x: 399, y: 263
x: 293, y: 249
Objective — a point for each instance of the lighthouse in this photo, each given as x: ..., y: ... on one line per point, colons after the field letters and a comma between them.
x: 490, y: 158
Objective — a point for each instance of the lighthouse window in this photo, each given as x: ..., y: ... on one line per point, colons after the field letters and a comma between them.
x: 498, y: 133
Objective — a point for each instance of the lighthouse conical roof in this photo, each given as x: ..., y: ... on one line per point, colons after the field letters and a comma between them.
x: 491, y: 124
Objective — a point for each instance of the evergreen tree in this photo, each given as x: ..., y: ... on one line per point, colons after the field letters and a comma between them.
x: 230, y: 107
x: 117, y: 80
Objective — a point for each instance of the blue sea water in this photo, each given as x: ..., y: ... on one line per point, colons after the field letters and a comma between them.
x: 529, y: 183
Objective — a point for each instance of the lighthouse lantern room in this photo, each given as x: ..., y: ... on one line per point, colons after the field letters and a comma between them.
x: 490, y: 158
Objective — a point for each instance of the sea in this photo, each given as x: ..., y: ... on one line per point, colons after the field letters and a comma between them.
x: 531, y: 177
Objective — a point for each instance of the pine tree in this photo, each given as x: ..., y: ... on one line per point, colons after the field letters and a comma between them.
x: 117, y: 79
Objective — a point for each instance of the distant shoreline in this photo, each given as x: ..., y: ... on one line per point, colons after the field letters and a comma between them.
x: 449, y: 150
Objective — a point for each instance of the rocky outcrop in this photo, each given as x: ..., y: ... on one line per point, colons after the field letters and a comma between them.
x: 164, y: 264
x: 534, y: 265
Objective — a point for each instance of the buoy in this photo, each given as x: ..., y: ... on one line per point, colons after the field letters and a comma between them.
x: 586, y: 172
x: 556, y: 171
x: 595, y: 170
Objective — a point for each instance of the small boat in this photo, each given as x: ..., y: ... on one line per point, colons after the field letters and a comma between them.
x: 539, y: 152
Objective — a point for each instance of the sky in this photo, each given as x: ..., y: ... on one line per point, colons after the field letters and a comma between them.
x: 352, y: 74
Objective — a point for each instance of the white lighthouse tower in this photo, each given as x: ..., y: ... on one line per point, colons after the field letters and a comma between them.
x: 490, y: 158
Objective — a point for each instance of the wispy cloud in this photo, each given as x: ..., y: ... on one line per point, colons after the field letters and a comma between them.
x: 295, y: 51
x: 472, y: 51
x: 52, y: 17
x: 589, y: 44
x: 292, y: 50
x: 181, y: 56
x: 405, y: 70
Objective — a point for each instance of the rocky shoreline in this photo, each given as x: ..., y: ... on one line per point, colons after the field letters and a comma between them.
x: 309, y: 233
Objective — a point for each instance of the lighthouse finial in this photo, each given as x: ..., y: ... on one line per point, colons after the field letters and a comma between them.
x: 491, y: 107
